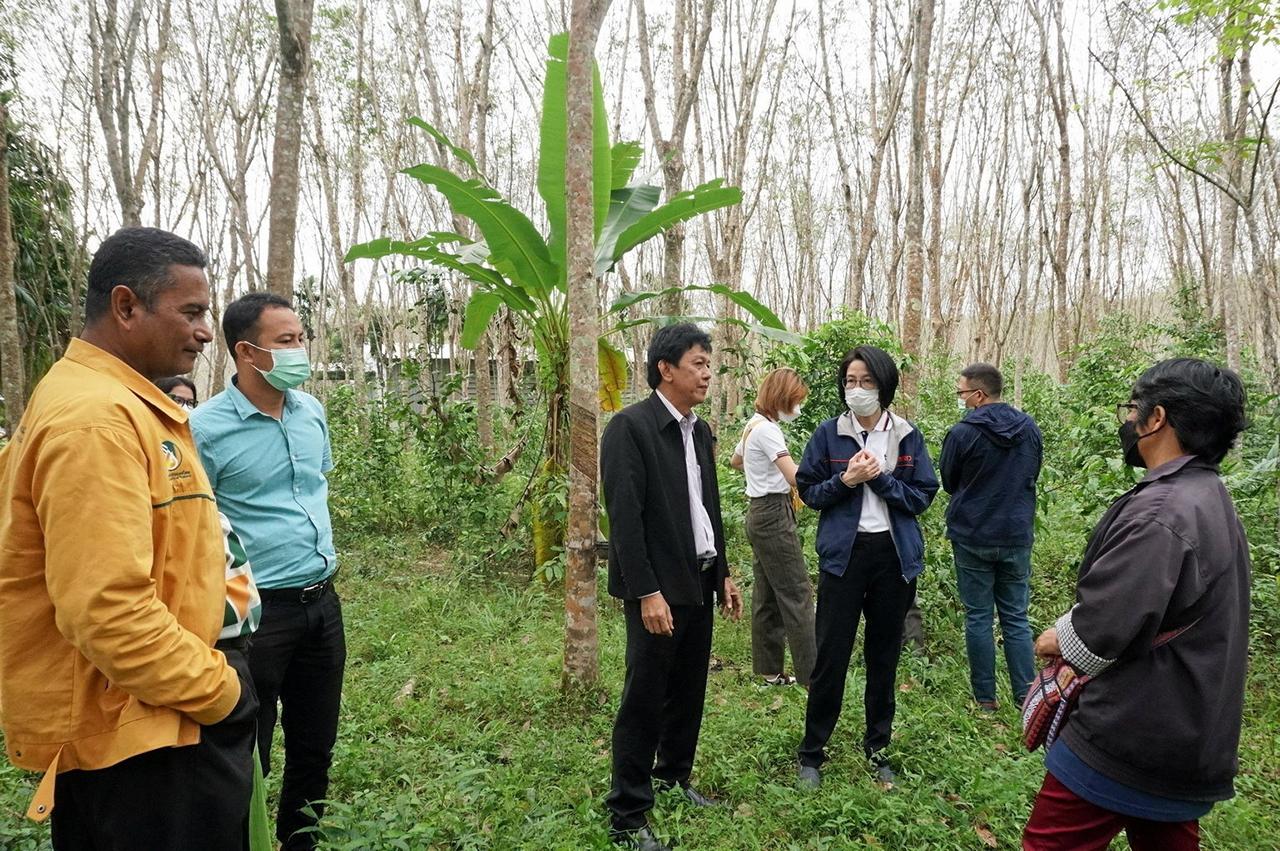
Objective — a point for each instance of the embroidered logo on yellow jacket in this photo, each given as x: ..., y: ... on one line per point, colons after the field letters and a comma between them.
x: 112, y: 574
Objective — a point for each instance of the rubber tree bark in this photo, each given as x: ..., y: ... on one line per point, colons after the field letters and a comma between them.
x: 12, y: 378
x: 581, y: 647
x: 293, y: 21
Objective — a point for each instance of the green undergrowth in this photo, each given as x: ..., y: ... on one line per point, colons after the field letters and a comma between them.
x: 455, y: 735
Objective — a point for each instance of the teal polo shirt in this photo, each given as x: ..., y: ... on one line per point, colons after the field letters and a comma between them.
x: 269, y: 478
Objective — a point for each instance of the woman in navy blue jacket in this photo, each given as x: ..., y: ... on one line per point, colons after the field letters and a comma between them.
x: 868, y: 474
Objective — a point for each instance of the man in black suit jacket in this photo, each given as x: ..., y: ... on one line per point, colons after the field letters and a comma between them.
x: 667, y: 563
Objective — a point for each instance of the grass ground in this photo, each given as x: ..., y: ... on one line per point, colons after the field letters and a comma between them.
x: 481, y: 751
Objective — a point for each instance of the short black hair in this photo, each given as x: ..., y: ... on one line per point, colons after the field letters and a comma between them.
x: 240, y: 319
x: 1205, y: 404
x: 167, y: 385
x: 987, y: 378
x: 881, y: 366
x: 670, y: 344
x: 140, y: 259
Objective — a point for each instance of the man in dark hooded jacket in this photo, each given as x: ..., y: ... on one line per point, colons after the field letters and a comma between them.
x: 990, y: 462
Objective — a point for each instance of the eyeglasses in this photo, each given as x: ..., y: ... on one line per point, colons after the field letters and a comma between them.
x: 867, y: 383
x: 960, y: 394
x: 1123, y: 410
x: 186, y: 403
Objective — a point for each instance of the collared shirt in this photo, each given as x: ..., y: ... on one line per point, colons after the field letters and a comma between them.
x: 111, y: 573
x: 761, y: 446
x: 704, y: 537
x: 269, y: 478
x: 875, y: 514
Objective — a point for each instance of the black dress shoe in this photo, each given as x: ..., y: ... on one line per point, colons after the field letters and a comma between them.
x: 809, y: 776
x: 698, y: 799
x: 691, y: 794
x: 883, y: 770
x: 643, y: 839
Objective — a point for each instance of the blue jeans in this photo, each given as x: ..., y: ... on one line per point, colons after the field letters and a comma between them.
x: 999, y: 578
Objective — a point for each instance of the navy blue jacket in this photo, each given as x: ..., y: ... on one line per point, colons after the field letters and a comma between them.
x: 907, y: 490
x: 990, y: 462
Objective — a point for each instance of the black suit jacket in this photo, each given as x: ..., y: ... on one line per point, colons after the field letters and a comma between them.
x: 646, y: 494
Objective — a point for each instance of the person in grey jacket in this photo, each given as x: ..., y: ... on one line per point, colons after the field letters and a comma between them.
x: 1161, y: 625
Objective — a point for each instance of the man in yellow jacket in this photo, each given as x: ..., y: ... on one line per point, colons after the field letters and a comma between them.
x: 112, y: 577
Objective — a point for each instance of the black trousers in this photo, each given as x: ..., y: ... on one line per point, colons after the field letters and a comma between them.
x: 193, y: 798
x: 299, y: 654
x: 872, y: 587
x: 661, y: 710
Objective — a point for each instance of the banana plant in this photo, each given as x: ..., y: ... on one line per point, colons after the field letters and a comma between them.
x: 512, y: 264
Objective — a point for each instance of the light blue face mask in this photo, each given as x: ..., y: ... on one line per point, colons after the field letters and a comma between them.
x: 289, y: 367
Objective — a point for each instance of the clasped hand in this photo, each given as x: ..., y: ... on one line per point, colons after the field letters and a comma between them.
x: 862, y: 467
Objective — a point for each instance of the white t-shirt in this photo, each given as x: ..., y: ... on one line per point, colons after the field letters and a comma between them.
x: 765, y: 445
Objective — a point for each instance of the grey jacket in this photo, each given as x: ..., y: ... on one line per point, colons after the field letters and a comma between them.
x: 1168, y: 553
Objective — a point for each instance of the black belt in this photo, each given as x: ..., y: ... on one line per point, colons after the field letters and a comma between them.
x: 309, y: 594
x: 240, y: 642
x: 705, y: 564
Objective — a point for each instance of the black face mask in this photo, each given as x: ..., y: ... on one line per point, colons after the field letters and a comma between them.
x: 1129, y: 439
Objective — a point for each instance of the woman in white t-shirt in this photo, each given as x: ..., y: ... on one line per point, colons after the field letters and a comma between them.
x: 782, y: 596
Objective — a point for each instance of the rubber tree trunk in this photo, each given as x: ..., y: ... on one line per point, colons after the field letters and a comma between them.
x: 581, y: 647
x: 12, y: 378
x: 293, y: 20
x: 914, y: 237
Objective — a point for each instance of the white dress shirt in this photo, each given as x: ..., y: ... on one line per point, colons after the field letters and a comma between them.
x: 704, y: 537
x: 875, y: 514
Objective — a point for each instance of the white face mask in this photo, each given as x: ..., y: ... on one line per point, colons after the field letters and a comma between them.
x: 861, y: 401
x: 960, y: 404
x: 788, y: 417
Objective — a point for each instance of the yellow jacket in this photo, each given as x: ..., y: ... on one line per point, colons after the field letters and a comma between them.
x: 112, y: 578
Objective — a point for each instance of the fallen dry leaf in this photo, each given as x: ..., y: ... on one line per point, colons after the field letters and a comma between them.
x: 988, y: 838
x: 406, y: 692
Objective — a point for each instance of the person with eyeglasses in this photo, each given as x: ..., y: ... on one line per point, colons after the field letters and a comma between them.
x: 180, y: 390
x: 990, y: 462
x: 868, y: 474
x: 1160, y: 625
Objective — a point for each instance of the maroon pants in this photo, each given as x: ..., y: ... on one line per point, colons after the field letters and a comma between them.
x: 1063, y: 821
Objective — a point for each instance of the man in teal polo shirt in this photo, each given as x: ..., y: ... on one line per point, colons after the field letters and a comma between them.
x: 265, y: 446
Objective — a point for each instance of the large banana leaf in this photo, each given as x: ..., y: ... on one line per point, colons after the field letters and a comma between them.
x: 692, y: 202
x: 629, y: 204
x: 423, y: 249
x: 613, y: 375
x: 601, y: 155
x: 479, y: 311
x: 625, y: 157
x: 516, y: 248
x: 376, y: 249
x: 461, y: 153
x: 553, y: 151
x: 552, y: 148
x: 746, y: 301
